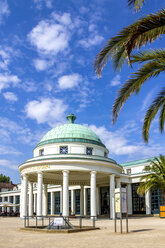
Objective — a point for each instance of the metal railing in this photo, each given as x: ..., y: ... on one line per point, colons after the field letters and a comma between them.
x: 40, y: 221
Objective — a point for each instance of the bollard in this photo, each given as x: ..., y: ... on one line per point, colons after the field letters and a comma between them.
x: 80, y: 222
x: 24, y: 221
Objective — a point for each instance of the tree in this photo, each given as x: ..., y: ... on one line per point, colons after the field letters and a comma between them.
x: 4, y: 179
x: 155, y: 177
x: 120, y: 49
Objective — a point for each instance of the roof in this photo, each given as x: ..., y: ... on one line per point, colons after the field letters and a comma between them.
x: 7, y: 186
x: 137, y: 162
x: 71, y: 132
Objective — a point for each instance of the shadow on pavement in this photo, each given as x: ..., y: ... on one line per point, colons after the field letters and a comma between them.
x: 142, y: 230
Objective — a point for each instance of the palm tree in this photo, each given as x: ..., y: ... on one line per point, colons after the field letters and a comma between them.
x: 154, y: 177
x: 120, y: 49
x: 137, y: 4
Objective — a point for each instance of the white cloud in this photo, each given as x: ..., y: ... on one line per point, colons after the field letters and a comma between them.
x: 115, y: 81
x: 4, y: 10
x: 21, y: 134
x: 91, y: 41
x: 147, y: 99
x: 8, y: 150
x: 5, y: 58
x: 46, y: 110
x: 6, y: 55
x: 8, y: 164
x: 29, y: 86
x: 84, y: 10
x: 10, y: 96
x: 41, y: 64
x: 52, y: 36
x: 69, y: 81
x: 6, y: 80
x: 41, y: 3
x: 119, y: 142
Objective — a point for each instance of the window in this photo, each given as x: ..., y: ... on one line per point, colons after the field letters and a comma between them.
x: 89, y: 151
x: 138, y: 202
x: 63, y: 149
x: 41, y: 152
x: 128, y: 171
x: 105, y: 154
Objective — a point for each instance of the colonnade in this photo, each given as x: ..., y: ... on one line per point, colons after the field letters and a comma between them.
x: 42, y: 196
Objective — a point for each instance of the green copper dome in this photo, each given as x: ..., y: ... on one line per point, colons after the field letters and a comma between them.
x: 71, y: 133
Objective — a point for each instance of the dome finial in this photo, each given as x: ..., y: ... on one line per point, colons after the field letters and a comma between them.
x: 71, y: 118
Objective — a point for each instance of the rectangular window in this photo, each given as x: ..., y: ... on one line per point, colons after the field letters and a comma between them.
x: 128, y: 171
x: 138, y: 202
x: 105, y: 154
x: 63, y: 149
x: 77, y: 201
x: 17, y: 199
x: 41, y: 152
x: 89, y: 150
x: 11, y: 199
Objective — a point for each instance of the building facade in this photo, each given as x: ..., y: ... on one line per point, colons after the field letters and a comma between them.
x: 71, y: 174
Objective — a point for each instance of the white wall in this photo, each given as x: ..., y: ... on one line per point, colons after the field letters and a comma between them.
x: 73, y: 148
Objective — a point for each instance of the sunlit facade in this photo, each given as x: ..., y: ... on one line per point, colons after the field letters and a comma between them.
x: 71, y: 174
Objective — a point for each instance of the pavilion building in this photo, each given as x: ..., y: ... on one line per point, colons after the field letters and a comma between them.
x: 71, y: 173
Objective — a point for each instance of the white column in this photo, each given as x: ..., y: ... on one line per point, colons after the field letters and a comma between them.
x: 85, y: 201
x: 39, y: 193
x: 148, y: 202
x: 45, y: 200
x: 118, y: 182
x: 65, y: 211
x: 3, y: 208
x: 93, y: 193
x: 30, y: 198
x: 20, y: 203
x: 82, y: 201
x: 8, y: 200
x: 24, y: 197
x: 52, y: 203
x: 98, y: 200
x: 72, y: 202
x: 112, y: 196
x: 35, y: 202
x: 61, y: 200
x: 14, y: 202
x: 129, y: 193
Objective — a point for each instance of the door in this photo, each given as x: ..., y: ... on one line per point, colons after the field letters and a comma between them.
x: 104, y: 192
x: 138, y: 202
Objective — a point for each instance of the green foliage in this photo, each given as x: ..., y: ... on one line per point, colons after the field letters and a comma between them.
x: 156, y: 177
x: 4, y: 179
x: 143, y: 31
x: 157, y: 104
x: 137, y: 4
x: 120, y: 49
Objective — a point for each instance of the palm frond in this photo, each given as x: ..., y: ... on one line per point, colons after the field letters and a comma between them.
x: 113, y: 46
x: 133, y: 85
x: 137, y: 4
x: 146, y: 55
x: 145, y: 30
x: 119, y: 58
x: 162, y: 119
x: 156, y: 178
x: 158, y: 103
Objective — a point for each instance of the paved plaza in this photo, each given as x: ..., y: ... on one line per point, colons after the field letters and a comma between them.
x: 148, y: 232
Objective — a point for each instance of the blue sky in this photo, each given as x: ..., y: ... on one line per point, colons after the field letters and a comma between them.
x: 47, y: 49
